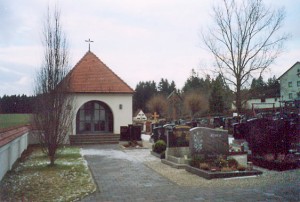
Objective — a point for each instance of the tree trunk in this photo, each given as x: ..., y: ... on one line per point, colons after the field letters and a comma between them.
x: 52, y: 160
x: 238, y: 98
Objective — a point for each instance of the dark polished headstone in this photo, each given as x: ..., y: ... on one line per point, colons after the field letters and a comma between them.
x: 178, y: 136
x: 209, y: 142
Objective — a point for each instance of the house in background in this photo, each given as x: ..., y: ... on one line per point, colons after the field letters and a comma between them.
x: 290, y: 83
x: 140, y: 116
x: 140, y: 119
x: 175, y: 105
x: 265, y: 103
x: 102, y: 100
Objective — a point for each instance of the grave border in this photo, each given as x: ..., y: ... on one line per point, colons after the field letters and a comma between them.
x: 213, y: 175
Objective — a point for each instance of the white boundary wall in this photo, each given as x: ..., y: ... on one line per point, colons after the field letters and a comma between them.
x: 10, y: 153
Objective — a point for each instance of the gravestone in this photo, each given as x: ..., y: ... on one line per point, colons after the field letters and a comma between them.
x: 130, y: 133
x: 177, y: 150
x: 124, y: 135
x: 209, y: 142
x: 178, y: 136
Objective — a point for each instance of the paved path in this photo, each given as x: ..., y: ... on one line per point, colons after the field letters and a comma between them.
x: 122, y: 175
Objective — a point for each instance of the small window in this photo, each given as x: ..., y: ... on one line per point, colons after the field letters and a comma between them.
x: 290, y: 84
x: 263, y: 100
x: 290, y: 95
x: 298, y: 83
x: 120, y: 106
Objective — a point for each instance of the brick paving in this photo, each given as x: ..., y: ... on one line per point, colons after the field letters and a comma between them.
x: 124, y: 175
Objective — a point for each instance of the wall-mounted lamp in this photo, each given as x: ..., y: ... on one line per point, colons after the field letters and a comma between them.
x: 120, y: 106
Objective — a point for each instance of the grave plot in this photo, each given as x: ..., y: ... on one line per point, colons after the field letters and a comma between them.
x: 210, y: 155
x: 177, y: 151
x: 130, y: 136
x: 273, y: 143
x: 159, y: 140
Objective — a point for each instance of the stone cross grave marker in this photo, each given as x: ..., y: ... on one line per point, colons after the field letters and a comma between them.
x: 155, y: 116
x: 209, y: 142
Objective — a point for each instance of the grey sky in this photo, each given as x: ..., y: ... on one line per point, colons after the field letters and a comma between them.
x: 139, y: 40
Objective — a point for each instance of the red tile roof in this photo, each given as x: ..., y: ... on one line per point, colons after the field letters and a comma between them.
x: 91, y: 75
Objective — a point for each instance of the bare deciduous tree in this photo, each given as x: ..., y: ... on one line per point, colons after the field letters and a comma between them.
x: 195, y: 103
x: 158, y: 104
x: 53, y: 114
x: 245, y: 39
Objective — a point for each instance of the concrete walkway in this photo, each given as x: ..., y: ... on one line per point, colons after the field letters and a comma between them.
x: 123, y: 175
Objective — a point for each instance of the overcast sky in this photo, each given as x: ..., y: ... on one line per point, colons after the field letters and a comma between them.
x: 140, y: 40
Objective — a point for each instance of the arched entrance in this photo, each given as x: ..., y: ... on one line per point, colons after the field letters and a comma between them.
x: 94, y: 117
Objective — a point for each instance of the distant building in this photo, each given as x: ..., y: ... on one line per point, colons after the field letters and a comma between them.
x: 175, y: 103
x: 290, y: 83
x: 140, y: 116
x: 263, y: 103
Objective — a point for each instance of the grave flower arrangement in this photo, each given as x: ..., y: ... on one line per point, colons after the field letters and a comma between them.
x: 220, y: 164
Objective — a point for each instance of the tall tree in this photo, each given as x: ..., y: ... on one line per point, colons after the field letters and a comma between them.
x: 166, y: 88
x: 192, y: 83
x: 244, y: 39
x: 53, y: 117
x: 196, y: 84
x: 260, y: 88
x: 143, y: 92
x: 16, y: 104
x: 195, y: 103
x: 158, y: 104
x: 216, y: 99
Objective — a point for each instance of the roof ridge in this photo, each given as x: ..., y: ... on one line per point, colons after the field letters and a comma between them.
x: 112, y: 71
x: 288, y: 69
x: 70, y: 72
x: 115, y: 85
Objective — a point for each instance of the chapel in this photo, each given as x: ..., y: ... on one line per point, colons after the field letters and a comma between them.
x: 102, y: 100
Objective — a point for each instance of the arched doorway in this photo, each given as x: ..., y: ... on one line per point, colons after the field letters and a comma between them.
x: 94, y: 117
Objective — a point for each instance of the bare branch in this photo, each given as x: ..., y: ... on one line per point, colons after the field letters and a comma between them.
x: 244, y: 40
x: 53, y: 117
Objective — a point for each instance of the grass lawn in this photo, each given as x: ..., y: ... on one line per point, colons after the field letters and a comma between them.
x: 12, y: 120
x: 33, y: 180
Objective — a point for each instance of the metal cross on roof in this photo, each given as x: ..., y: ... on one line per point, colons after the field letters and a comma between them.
x: 89, y: 41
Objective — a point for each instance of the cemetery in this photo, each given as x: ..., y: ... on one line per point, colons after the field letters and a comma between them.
x: 204, y: 152
x: 84, y: 134
x: 273, y: 141
x: 270, y: 142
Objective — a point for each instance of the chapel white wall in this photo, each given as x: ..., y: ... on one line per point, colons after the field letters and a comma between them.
x: 121, y: 117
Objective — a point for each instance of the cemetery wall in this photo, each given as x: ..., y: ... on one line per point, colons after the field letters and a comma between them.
x: 120, y: 105
x: 12, y: 144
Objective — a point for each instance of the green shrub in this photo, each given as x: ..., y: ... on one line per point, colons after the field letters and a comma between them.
x: 159, y: 147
